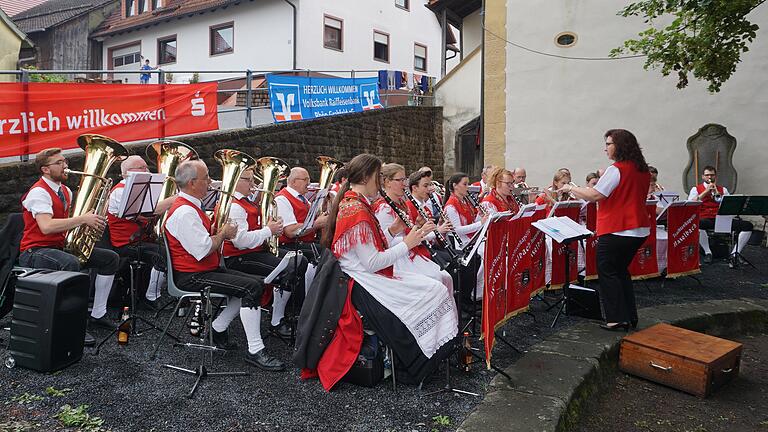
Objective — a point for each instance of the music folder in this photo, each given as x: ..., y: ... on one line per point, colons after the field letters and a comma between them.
x: 212, y: 197
x: 663, y: 215
x: 470, y: 249
x: 140, y: 194
x: 566, y: 204
x: 562, y: 229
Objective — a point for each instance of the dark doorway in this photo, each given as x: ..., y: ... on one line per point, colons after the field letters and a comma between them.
x: 469, y: 149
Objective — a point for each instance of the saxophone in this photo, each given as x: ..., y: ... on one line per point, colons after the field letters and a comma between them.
x: 93, y: 193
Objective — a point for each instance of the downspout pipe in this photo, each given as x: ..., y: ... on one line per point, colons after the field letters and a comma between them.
x: 293, y: 42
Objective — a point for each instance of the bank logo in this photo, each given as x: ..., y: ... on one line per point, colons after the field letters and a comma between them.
x: 198, y: 106
x: 369, y: 96
x: 286, y: 102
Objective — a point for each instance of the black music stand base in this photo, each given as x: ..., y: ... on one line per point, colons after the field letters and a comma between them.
x: 201, y: 372
x: 564, y: 299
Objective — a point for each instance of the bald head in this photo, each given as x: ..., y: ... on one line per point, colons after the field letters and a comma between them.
x: 298, y: 180
x: 134, y: 163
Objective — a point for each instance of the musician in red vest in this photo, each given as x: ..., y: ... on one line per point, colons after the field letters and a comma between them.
x: 195, y: 256
x: 246, y: 252
x: 622, y: 224
x: 500, y: 198
x: 45, y: 210
x: 710, y: 194
x: 132, y: 237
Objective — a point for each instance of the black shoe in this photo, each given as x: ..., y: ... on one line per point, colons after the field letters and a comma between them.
x: 282, y: 330
x: 89, y: 340
x: 708, y: 258
x: 149, y: 305
x: 103, y: 322
x: 221, y: 340
x: 264, y: 361
x: 622, y: 326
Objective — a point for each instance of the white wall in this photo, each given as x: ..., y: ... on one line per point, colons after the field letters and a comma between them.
x: 557, y: 110
x: 459, y: 95
x: 262, y: 41
x: 405, y: 28
x: 473, y: 32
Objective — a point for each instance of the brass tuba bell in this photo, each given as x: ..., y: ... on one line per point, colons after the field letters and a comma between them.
x: 328, y: 168
x: 93, y: 193
x: 270, y: 170
x: 233, y: 164
x: 168, y: 154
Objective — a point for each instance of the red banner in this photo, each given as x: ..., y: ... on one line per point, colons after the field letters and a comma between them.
x: 538, y: 254
x: 558, y: 253
x: 35, y: 116
x: 683, y: 246
x: 495, y: 293
x: 590, y: 249
x: 645, y: 265
x: 518, y: 269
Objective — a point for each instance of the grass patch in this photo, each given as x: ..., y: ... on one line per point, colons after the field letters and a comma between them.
x: 26, y: 398
x: 52, y: 391
x: 79, y: 418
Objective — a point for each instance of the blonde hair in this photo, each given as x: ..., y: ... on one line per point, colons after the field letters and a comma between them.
x: 390, y: 169
x: 559, y: 175
x: 497, y: 175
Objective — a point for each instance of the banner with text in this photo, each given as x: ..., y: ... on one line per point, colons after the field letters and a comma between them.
x: 645, y: 265
x: 495, y: 290
x: 301, y: 98
x: 683, y: 246
x: 35, y: 116
x: 590, y: 248
x: 537, y: 264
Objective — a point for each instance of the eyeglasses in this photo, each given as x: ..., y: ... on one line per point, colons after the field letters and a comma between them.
x: 61, y: 162
x: 510, y: 183
x: 399, y: 179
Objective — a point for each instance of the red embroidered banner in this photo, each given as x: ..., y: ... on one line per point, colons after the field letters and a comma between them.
x: 590, y: 249
x: 495, y: 292
x: 518, y: 269
x: 558, y: 253
x: 683, y: 246
x: 36, y: 116
x: 645, y: 265
x: 538, y: 254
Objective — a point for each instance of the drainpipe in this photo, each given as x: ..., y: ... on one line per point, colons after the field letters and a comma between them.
x: 293, y: 42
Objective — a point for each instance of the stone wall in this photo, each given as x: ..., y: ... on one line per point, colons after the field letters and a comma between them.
x: 411, y: 136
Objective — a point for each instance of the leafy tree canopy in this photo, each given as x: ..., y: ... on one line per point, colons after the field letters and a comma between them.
x: 706, y: 38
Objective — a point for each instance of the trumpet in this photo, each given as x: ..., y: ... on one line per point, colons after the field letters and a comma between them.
x: 715, y: 193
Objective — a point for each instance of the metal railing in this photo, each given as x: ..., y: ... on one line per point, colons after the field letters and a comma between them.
x: 388, y: 97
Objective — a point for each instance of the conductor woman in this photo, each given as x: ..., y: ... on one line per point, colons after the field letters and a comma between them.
x: 622, y: 224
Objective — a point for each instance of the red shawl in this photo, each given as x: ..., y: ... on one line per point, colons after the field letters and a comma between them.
x: 467, y: 212
x: 420, y: 250
x: 500, y: 203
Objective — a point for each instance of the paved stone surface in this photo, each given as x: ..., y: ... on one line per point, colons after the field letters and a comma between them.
x: 521, y: 412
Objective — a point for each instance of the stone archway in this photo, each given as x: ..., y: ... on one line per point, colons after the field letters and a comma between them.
x: 711, y: 145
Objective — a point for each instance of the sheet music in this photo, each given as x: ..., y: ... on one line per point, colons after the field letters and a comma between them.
x: 723, y: 224
x: 280, y: 267
x: 566, y: 204
x: 663, y: 214
x: 561, y: 228
x: 140, y: 186
x: 666, y: 198
x: 212, y: 197
x: 314, y: 211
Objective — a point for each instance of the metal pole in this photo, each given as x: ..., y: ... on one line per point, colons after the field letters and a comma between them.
x: 24, y: 157
x: 444, y: 25
x: 248, y: 97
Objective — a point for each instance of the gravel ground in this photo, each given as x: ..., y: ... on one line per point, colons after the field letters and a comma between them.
x: 637, y: 405
x: 130, y: 392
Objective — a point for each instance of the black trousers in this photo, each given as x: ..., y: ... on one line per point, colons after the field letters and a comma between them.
x: 312, y: 251
x: 262, y: 264
x: 105, y: 261
x: 737, y: 225
x: 230, y: 282
x: 147, y: 252
x: 617, y: 298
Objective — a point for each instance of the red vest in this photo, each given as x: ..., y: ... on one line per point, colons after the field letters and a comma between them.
x: 625, y: 208
x: 413, y: 213
x: 417, y: 250
x: 182, y: 260
x: 121, y: 229
x: 33, y: 237
x: 708, y: 208
x: 501, y: 204
x: 254, y: 223
x: 300, y: 210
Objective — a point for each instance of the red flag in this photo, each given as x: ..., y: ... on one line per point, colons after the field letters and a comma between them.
x: 518, y: 269
x: 683, y: 234
x: 590, y: 249
x: 538, y: 254
x: 645, y: 265
x: 495, y: 293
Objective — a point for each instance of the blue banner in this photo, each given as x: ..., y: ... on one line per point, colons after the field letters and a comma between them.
x: 301, y: 98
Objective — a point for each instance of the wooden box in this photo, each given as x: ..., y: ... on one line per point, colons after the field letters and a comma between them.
x: 686, y: 360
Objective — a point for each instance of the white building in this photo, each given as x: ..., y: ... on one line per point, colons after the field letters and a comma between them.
x: 321, y: 35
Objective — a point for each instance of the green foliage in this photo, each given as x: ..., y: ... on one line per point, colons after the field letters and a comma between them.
x: 79, y: 418
x: 442, y: 420
x: 705, y: 38
x: 26, y: 398
x: 195, y: 78
x: 51, y: 78
x: 51, y: 391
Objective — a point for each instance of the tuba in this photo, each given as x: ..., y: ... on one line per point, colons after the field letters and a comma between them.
x: 233, y: 164
x: 93, y: 192
x: 270, y: 170
x: 328, y: 168
x: 168, y: 154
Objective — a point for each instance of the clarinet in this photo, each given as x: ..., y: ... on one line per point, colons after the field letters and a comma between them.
x: 441, y: 238
x: 404, y: 217
x: 440, y: 209
x: 473, y: 201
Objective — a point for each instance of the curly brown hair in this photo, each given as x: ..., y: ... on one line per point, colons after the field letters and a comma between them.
x: 627, y: 148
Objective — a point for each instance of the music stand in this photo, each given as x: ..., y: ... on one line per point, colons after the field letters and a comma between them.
x: 563, y: 230
x: 735, y: 206
x: 140, y: 195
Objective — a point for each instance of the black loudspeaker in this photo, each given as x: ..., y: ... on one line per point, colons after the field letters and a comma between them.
x: 583, y: 302
x: 50, y: 310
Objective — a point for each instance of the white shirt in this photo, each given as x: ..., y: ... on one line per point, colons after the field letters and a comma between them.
x: 694, y: 194
x: 606, y: 185
x: 245, y: 239
x: 38, y: 200
x: 284, y: 208
x: 461, y: 230
x: 186, y: 226
x: 115, y: 198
